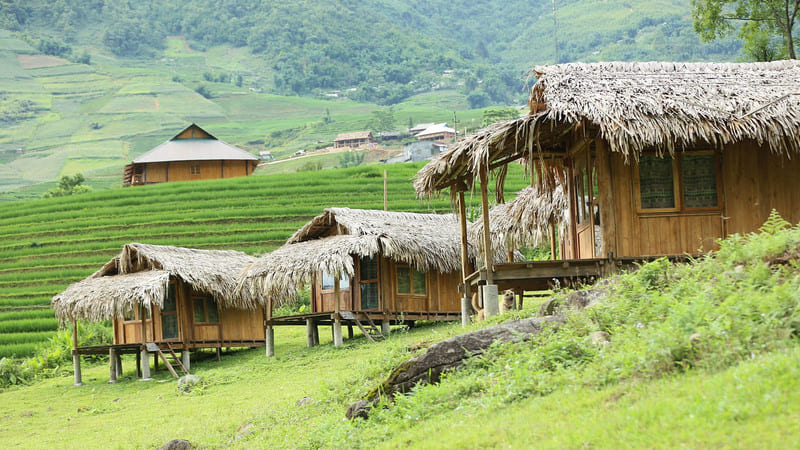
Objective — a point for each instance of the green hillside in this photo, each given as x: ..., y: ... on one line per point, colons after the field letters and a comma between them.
x: 88, y: 86
x: 702, y: 355
x: 47, y: 244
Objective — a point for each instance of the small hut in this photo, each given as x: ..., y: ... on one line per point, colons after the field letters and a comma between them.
x: 355, y: 139
x: 366, y: 266
x: 193, y: 154
x: 162, y: 299
x: 657, y: 159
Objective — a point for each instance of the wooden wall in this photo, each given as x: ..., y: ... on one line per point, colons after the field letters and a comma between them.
x: 234, y: 324
x: 441, y: 294
x: 209, y: 170
x: 753, y: 182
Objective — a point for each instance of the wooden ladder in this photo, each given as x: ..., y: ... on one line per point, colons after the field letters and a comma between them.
x: 154, y: 348
x: 370, y: 330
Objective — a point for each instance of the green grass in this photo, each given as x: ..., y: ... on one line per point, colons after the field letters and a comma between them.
x: 703, y: 355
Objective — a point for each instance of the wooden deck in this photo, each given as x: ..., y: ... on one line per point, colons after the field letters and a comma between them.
x: 542, y: 275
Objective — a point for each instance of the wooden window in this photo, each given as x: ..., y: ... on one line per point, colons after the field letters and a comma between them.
x: 410, y: 281
x: 133, y: 314
x: 169, y: 314
x: 327, y: 282
x: 368, y: 280
x: 205, y: 310
x: 195, y: 169
x: 687, y: 182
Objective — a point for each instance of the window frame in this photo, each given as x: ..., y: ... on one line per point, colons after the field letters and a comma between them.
x: 678, y: 186
x: 205, y: 301
x: 411, y: 270
x: 194, y: 169
x: 375, y: 281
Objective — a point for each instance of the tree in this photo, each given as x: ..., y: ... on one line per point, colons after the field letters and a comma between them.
x: 68, y: 185
x: 713, y: 19
x: 382, y: 120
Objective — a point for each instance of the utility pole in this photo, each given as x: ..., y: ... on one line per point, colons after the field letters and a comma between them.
x: 555, y: 29
x: 455, y: 126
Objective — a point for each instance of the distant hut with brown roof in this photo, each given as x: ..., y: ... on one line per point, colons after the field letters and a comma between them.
x: 193, y: 154
x: 357, y: 139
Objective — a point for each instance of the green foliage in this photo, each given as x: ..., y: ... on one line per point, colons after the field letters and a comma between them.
x: 757, y: 23
x: 492, y: 115
x: 382, y: 120
x: 68, y: 185
x: 352, y: 158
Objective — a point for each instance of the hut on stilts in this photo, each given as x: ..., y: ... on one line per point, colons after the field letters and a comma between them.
x: 162, y: 299
x: 367, y: 268
x: 655, y: 159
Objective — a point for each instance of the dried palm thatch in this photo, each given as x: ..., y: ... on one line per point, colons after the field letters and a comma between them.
x: 525, y: 220
x: 328, y: 243
x: 139, y: 276
x: 664, y: 107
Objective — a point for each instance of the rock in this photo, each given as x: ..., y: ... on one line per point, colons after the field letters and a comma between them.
x: 549, y: 307
x: 574, y: 300
x: 176, y: 444
x: 305, y: 401
x: 448, y: 355
x: 188, y: 380
x: 600, y: 338
x: 358, y: 409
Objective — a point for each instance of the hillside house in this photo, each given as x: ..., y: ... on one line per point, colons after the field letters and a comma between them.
x: 418, y: 151
x: 163, y: 299
x: 356, y: 139
x: 439, y: 133
x: 193, y: 154
x: 655, y: 159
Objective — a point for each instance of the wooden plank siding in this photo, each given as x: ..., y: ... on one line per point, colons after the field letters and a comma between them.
x: 752, y: 182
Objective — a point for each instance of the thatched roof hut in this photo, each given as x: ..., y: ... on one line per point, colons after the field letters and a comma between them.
x: 525, y: 220
x: 634, y: 107
x: 139, y: 276
x: 327, y: 243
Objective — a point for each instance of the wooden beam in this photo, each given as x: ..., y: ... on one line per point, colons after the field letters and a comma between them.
x: 605, y: 198
x: 487, y: 237
x: 76, y: 358
x: 465, y: 298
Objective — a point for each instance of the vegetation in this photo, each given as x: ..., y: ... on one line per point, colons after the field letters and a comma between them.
x: 47, y: 244
x: 69, y: 185
x: 765, y: 26
x: 704, y: 354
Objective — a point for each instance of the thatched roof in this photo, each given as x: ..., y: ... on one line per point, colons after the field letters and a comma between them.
x: 140, y: 273
x: 428, y: 242
x: 353, y: 135
x: 525, y: 220
x: 634, y: 107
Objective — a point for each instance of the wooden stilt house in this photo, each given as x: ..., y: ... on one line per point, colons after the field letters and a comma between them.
x: 193, y: 154
x: 655, y: 158
x: 163, y: 299
x: 366, y: 267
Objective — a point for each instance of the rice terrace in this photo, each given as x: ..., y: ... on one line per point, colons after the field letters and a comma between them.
x: 440, y: 224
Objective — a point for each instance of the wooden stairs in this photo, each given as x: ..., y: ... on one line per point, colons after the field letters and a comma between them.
x: 154, y: 348
x: 365, y: 324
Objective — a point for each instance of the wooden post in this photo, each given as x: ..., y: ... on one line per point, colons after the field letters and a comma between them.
x: 112, y: 365
x: 552, y: 241
x: 310, y: 325
x: 487, y: 236
x: 349, y: 332
x: 605, y: 198
x: 118, y: 361
x: 465, y: 298
x: 385, y: 192
x: 337, y: 319
x: 76, y: 358
x: 315, y: 331
x: 269, y: 332
x: 491, y: 307
x: 138, y: 364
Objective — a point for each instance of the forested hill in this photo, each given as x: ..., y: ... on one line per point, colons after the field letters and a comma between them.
x: 386, y: 49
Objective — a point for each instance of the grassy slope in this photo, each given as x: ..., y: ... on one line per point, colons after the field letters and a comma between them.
x: 738, y: 389
x: 47, y: 244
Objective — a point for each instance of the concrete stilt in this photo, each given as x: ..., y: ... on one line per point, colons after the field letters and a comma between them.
x: 76, y: 365
x: 112, y: 365
x: 337, y: 332
x: 385, y: 327
x: 310, y: 325
x: 146, y: 366
x: 466, y: 310
x: 269, y: 336
x: 186, y: 359
x: 491, y: 306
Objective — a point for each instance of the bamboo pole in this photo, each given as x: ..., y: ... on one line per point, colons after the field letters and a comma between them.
x: 491, y: 307
x: 385, y: 192
x: 145, y: 354
x: 269, y: 332
x: 465, y: 299
x: 76, y: 358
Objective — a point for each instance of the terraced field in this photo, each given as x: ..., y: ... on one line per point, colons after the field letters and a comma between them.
x: 47, y: 244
